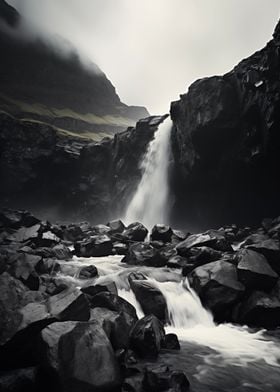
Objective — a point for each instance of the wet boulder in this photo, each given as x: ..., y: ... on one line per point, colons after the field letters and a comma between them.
x: 27, y: 233
x: 81, y: 356
x: 12, y: 293
x: 101, y: 229
x: 92, y: 290
x: 48, y: 239
x: 143, y: 253
x: 116, y: 226
x: 167, y: 252
x: 112, y: 302
x: 120, y: 248
x: 177, y: 262
x: 268, y: 247
x: 24, y: 269
x: 95, y: 246
x: 254, y: 271
x: 88, y: 272
x: 146, y: 337
x: 192, y: 241
x: 117, y: 325
x: 150, y: 298
x: 161, y: 233
x: 62, y: 252
x: 73, y: 233
x: 260, y: 309
x: 135, y: 232
x: 203, y: 255
x: 47, y: 266
x: 171, y: 342
x: 218, y: 287
x: 15, y: 219
x: 70, y: 304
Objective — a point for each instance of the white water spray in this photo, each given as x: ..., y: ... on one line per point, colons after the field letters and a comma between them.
x: 149, y: 204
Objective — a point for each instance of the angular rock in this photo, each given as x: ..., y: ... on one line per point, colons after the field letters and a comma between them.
x: 112, y: 302
x: 146, y: 337
x: 254, y: 271
x: 177, y: 262
x: 101, y: 229
x: 49, y: 239
x: 260, y: 310
x: 27, y: 233
x: 116, y: 226
x: 194, y: 240
x: 218, y: 287
x: 62, y: 252
x: 24, y: 268
x: 143, y: 253
x: 70, y: 304
x: 135, y: 232
x: 171, y: 342
x: 88, y: 272
x: 120, y: 249
x: 150, y: 298
x: 95, y: 246
x: 116, y: 325
x: 161, y: 233
x: 16, y: 219
x: 167, y: 252
x: 81, y: 355
x: 92, y: 290
x: 270, y: 248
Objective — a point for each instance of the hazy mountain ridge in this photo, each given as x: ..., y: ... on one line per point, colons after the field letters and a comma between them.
x: 35, y: 73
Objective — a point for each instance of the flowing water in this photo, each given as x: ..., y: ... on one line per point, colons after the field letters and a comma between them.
x: 150, y: 203
x: 216, y: 357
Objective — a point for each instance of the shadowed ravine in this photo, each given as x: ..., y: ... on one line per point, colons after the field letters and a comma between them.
x: 221, y: 357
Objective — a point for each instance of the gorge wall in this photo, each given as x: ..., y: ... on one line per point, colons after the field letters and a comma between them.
x: 226, y: 141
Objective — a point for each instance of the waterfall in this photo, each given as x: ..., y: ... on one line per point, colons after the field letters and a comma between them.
x: 149, y: 205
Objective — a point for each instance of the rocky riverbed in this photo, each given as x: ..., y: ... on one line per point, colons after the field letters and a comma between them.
x: 87, y: 307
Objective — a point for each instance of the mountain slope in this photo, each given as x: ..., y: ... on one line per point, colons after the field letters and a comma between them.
x: 40, y: 83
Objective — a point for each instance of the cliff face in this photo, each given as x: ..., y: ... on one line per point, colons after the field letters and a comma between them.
x: 66, y: 177
x: 41, y: 83
x: 226, y: 143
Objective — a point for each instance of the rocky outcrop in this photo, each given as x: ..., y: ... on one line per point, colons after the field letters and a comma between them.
x: 226, y: 141
x: 35, y: 162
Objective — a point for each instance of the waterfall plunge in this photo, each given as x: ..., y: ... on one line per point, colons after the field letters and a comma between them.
x: 149, y: 204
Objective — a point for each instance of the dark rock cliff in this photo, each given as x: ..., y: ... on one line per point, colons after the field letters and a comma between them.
x: 226, y: 143
x: 65, y: 177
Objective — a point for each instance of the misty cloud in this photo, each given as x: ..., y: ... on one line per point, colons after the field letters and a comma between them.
x: 152, y: 50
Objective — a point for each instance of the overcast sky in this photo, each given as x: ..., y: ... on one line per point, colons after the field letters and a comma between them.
x: 152, y: 50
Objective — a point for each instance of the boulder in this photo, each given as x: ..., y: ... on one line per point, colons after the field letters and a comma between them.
x: 70, y: 304
x: 177, y: 262
x: 146, y: 337
x: 26, y: 233
x: 48, y: 239
x: 88, y: 272
x: 117, y: 325
x: 203, y: 255
x: 12, y: 293
x: 167, y: 252
x: 135, y: 232
x: 116, y: 226
x: 47, y: 266
x: 101, y: 229
x: 73, y: 233
x: 97, y: 288
x: 143, y: 253
x: 156, y: 378
x: 194, y: 240
x: 120, y: 248
x: 62, y: 252
x: 171, y: 342
x: 259, y: 310
x: 254, y: 271
x: 81, y: 356
x: 112, y: 302
x: 218, y: 287
x: 95, y: 246
x: 15, y: 219
x: 161, y: 233
x: 268, y: 247
x: 150, y: 298
x: 24, y: 269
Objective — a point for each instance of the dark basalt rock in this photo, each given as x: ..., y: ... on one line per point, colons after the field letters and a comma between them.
x: 95, y: 246
x: 225, y: 143
x: 218, y: 287
x: 150, y: 298
x: 88, y: 272
x: 112, y: 302
x: 116, y: 325
x: 146, y: 337
x: 171, y: 342
x: 161, y: 233
x: 143, y: 253
x: 67, y: 347
x: 254, y: 271
x: 92, y: 290
x: 135, y: 232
